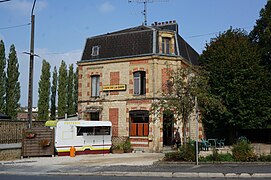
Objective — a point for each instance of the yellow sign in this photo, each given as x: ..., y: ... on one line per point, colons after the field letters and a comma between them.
x: 71, y: 122
x: 118, y: 87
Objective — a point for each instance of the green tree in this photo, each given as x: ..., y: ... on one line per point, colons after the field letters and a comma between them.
x: 12, y: 84
x: 238, y: 79
x: 75, y: 97
x: 2, y: 77
x: 70, y: 91
x: 44, y: 92
x: 261, y: 34
x: 53, y: 94
x: 62, y: 89
x: 183, y: 85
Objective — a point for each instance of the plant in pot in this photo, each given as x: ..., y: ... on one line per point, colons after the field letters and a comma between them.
x: 45, y: 143
x: 127, y: 147
x: 30, y: 134
x: 117, y: 149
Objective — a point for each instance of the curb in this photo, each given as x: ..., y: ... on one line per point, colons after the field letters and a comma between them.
x: 147, y: 174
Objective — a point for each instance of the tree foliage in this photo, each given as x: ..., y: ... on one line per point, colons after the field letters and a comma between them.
x: 70, y: 91
x: 12, y: 84
x: 62, y: 89
x: 183, y: 85
x: 261, y: 34
x: 44, y: 92
x: 2, y: 77
x: 237, y: 78
x: 53, y: 94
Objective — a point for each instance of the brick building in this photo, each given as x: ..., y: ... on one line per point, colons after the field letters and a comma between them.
x: 122, y: 73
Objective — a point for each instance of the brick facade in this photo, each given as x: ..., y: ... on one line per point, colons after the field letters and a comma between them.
x: 134, y: 58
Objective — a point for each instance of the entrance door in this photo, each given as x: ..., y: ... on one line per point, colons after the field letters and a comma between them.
x: 167, y: 129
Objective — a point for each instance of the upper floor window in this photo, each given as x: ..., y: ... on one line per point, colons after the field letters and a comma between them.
x: 165, y: 45
x: 95, y: 86
x: 95, y: 50
x: 140, y: 83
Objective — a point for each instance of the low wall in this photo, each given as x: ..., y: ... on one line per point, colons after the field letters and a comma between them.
x: 10, y: 151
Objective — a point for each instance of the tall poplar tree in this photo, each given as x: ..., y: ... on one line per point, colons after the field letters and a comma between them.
x: 75, y: 97
x: 2, y: 77
x: 44, y: 92
x: 62, y: 89
x: 70, y: 90
x: 53, y: 94
x: 12, y: 84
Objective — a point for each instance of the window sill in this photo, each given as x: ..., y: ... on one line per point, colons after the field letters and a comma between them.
x: 139, y: 137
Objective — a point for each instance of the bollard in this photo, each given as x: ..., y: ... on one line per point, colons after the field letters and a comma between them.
x: 72, y: 151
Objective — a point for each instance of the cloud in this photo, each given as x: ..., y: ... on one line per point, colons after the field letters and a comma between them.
x: 25, y: 6
x: 106, y: 7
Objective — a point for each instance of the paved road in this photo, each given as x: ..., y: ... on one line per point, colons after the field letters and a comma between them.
x: 144, y: 164
x: 15, y: 177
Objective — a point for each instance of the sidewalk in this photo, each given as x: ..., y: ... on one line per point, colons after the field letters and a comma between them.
x: 130, y: 164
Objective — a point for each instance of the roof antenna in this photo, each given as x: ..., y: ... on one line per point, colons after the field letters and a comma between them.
x: 144, y: 12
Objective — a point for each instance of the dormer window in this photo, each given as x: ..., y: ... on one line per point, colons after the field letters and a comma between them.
x: 165, y: 45
x: 95, y: 50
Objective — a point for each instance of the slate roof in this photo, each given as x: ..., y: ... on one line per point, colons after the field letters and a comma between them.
x: 136, y: 41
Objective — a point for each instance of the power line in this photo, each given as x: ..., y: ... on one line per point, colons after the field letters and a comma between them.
x: 212, y: 33
x: 16, y: 26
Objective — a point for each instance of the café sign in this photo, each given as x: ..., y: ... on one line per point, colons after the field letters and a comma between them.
x: 117, y: 87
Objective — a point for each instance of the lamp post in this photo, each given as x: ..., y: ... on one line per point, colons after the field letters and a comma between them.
x: 31, y: 68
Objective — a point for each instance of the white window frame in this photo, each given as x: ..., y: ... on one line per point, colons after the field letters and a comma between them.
x: 95, y: 86
x: 95, y: 50
x: 139, y: 80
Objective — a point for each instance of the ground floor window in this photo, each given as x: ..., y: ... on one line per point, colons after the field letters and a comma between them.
x: 94, y: 116
x: 139, y: 123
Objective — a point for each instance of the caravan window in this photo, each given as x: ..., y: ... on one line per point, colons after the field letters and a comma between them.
x: 82, y: 130
x: 99, y: 130
x: 102, y: 130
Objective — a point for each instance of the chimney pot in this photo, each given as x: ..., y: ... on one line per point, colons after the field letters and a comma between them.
x: 174, y: 21
x: 163, y: 23
x: 166, y: 22
x: 170, y: 22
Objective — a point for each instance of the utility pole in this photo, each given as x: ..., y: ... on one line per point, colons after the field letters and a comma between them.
x: 197, y: 129
x: 31, y: 67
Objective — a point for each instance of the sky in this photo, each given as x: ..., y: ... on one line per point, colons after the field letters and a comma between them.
x: 62, y: 26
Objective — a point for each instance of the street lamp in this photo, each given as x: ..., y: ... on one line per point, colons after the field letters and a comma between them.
x: 31, y: 68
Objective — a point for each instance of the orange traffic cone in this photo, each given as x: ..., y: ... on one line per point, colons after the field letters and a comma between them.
x: 72, y: 151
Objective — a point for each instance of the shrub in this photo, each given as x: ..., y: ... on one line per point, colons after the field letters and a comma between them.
x: 243, y: 151
x: 217, y: 157
x: 188, y: 152
x: 265, y: 158
x: 184, y: 153
x: 173, y: 156
x: 127, y: 147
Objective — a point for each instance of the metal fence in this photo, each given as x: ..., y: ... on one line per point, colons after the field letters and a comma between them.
x: 11, y: 131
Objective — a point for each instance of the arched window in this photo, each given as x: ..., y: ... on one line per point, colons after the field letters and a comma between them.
x: 140, y: 83
x: 139, y: 123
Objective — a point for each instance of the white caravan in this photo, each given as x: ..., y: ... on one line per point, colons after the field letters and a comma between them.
x: 88, y: 137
